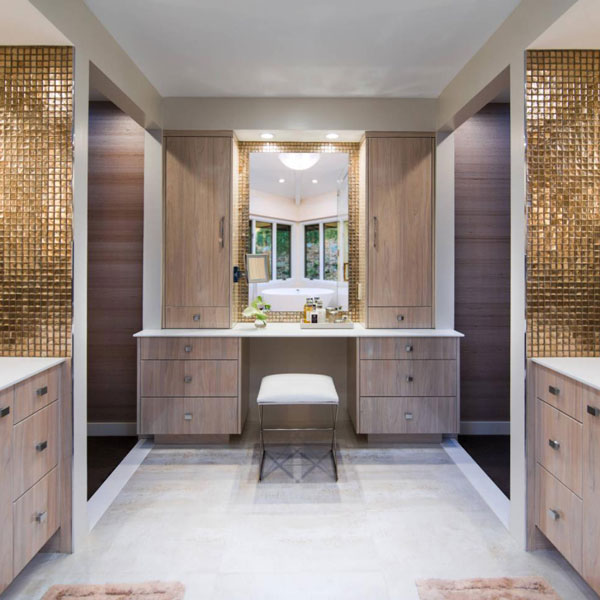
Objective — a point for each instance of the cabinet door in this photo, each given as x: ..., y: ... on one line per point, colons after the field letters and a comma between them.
x: 6, y: 525
x: 400, y: 207
x: 197, y: 226
x: 591, y: 489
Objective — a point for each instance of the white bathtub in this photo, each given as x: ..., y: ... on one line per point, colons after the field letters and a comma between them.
x: 294, y: 298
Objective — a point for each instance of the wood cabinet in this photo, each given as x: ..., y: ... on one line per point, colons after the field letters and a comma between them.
x: 197, y: 258
x: 6, y: 523
x: 400, y: 178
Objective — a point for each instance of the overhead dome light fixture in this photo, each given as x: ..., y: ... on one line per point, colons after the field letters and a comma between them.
x: 267, y: 136
x: 299, y: 161
x: 332, y: 135
x: 315, y: 181
x: 282, y: 180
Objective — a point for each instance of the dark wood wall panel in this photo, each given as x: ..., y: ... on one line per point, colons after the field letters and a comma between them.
x: 115, y: 230
x: 482, y: 268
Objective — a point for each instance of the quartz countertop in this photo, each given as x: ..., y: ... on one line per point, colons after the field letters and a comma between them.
x: 16, y: 369
x: 586, y: 370
x: 294, y: 330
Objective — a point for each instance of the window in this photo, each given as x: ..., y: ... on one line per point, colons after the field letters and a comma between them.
x: 275, y: 239
x: 330, y: 251
x: 312, y: 269
x: 325, y: 250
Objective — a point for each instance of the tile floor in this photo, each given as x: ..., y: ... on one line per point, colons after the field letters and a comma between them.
x: 199, y: 516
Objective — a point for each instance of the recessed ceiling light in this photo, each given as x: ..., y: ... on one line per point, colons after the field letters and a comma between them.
x: 282, y: 180
x: 267, y: 136
x: 315, y: 181
x: 332, y: 136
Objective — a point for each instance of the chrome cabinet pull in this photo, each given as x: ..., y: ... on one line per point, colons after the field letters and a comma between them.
x: 592, y: 410
x: 408, y: 348
x: 41, y: 446
x: 187, y: 379
x: 5, y: 411
x: 408, y: 416
x: 409, y: 379
x: 554, y: 444
x: 41, y: 391
x: 196, y: 317
x: 553, y: 514
x: 222, y: 232
x: 187, y: 416
x: 187, y: 348
x: 41, y: 517
x: 400, y: 318
x: 375, y: 232
x: 553, y: 390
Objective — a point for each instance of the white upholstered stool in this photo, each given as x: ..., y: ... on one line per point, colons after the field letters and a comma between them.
x: 294, y: 389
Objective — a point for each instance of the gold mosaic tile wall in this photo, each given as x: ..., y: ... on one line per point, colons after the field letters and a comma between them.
x: 242, y: 215
x: 35, y: 200
x: 563, y: 196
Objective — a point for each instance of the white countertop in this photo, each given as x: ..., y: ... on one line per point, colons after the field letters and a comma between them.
x: 16, y: 369
x: 586, y: 370
x: 294, y: 330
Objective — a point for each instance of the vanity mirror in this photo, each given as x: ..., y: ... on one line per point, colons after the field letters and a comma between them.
x: 299, y: 205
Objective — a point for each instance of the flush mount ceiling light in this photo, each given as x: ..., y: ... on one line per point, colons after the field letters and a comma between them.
x: 267, y: 136
x: 315, y: 181
x: 299, y: 161
x: 332, y: 135
x: 282, y: 180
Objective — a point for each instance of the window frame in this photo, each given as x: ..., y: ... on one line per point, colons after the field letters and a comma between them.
x: 274, y: 223
x: 321, y: 222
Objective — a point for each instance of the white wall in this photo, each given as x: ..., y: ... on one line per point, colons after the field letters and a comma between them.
x: 272, y: 206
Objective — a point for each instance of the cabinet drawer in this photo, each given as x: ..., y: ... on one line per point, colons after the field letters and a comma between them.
x: 408, y: 415
x: 35, y: 448
x: 189, y: 348
x: 408, y: 348
x: 35, y: 519
x: 559, y: 515
x: 189, y: 378
x: 408, y: 378
x: 559, y: 445
x: 35, y: 393
x: 399, y: 317
x: 561, y: 392
x: 193, y: 317
x: 171, y: 416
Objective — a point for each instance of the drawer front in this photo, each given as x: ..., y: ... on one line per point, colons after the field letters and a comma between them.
x: 559, y: 445
x: 190, y: 348
x: 35, y: 519
x: 171, y: 416
x: 561, y: 392
x: 35, y: 393
x: 408, y: 378
x: 399, y: 317
x: 194, y: 317
x: 6, y: 497
x: 408, y: 348
x: 35, y: 448
x: 559, y: 515
x: 408, y: 415
x: 177, y: 378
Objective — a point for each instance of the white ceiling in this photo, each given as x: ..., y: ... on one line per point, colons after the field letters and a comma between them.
x: 266, y: 169
x: 312, y: 48
x: 22, y: 24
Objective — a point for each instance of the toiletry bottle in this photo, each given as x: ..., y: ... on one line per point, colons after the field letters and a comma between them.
x: 314, y: 315
x: 321, y: 313
x: 308, y: 306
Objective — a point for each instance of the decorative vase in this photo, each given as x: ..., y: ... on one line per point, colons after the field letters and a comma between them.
x: 259, y: 323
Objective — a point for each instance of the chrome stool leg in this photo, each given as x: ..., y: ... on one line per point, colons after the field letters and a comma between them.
x: 335, y: 465
x: 262, y: 442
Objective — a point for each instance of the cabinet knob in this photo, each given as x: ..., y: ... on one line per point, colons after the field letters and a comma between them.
x: 196, y: 317
x: 187, y: 417
x: 592, y: 410
x: 553, y: 514
x: 553, y: 390
x: 41, y: 446
x: 408, y: 416
x: 187, y: 348
x: 400, y: 318
x: 409, y: 379
x: 187, y: 379
x: 408, y: 348
x: 41, y: 517
x: 4, y: 412
x: 41, y: 391
x: 555, y: 444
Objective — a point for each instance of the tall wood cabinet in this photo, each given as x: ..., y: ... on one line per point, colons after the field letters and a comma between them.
x: 400, y: 230
x: 197, y: 262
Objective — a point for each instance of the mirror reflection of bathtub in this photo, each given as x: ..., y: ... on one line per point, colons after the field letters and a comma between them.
x: 289, y: 298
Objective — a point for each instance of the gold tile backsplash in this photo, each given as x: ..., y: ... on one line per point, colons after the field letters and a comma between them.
x: 563, y: 202
x: 36, y: 158
x: 241, y: 212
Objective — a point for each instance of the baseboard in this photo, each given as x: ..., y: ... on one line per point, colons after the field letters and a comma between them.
x: 111, y: 429
x: 485, y: 427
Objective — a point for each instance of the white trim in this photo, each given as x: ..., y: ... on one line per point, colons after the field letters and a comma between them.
x: 111, y: 429
x: 485, y: 427
x: 483, y: 485
x: 100, y: 502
